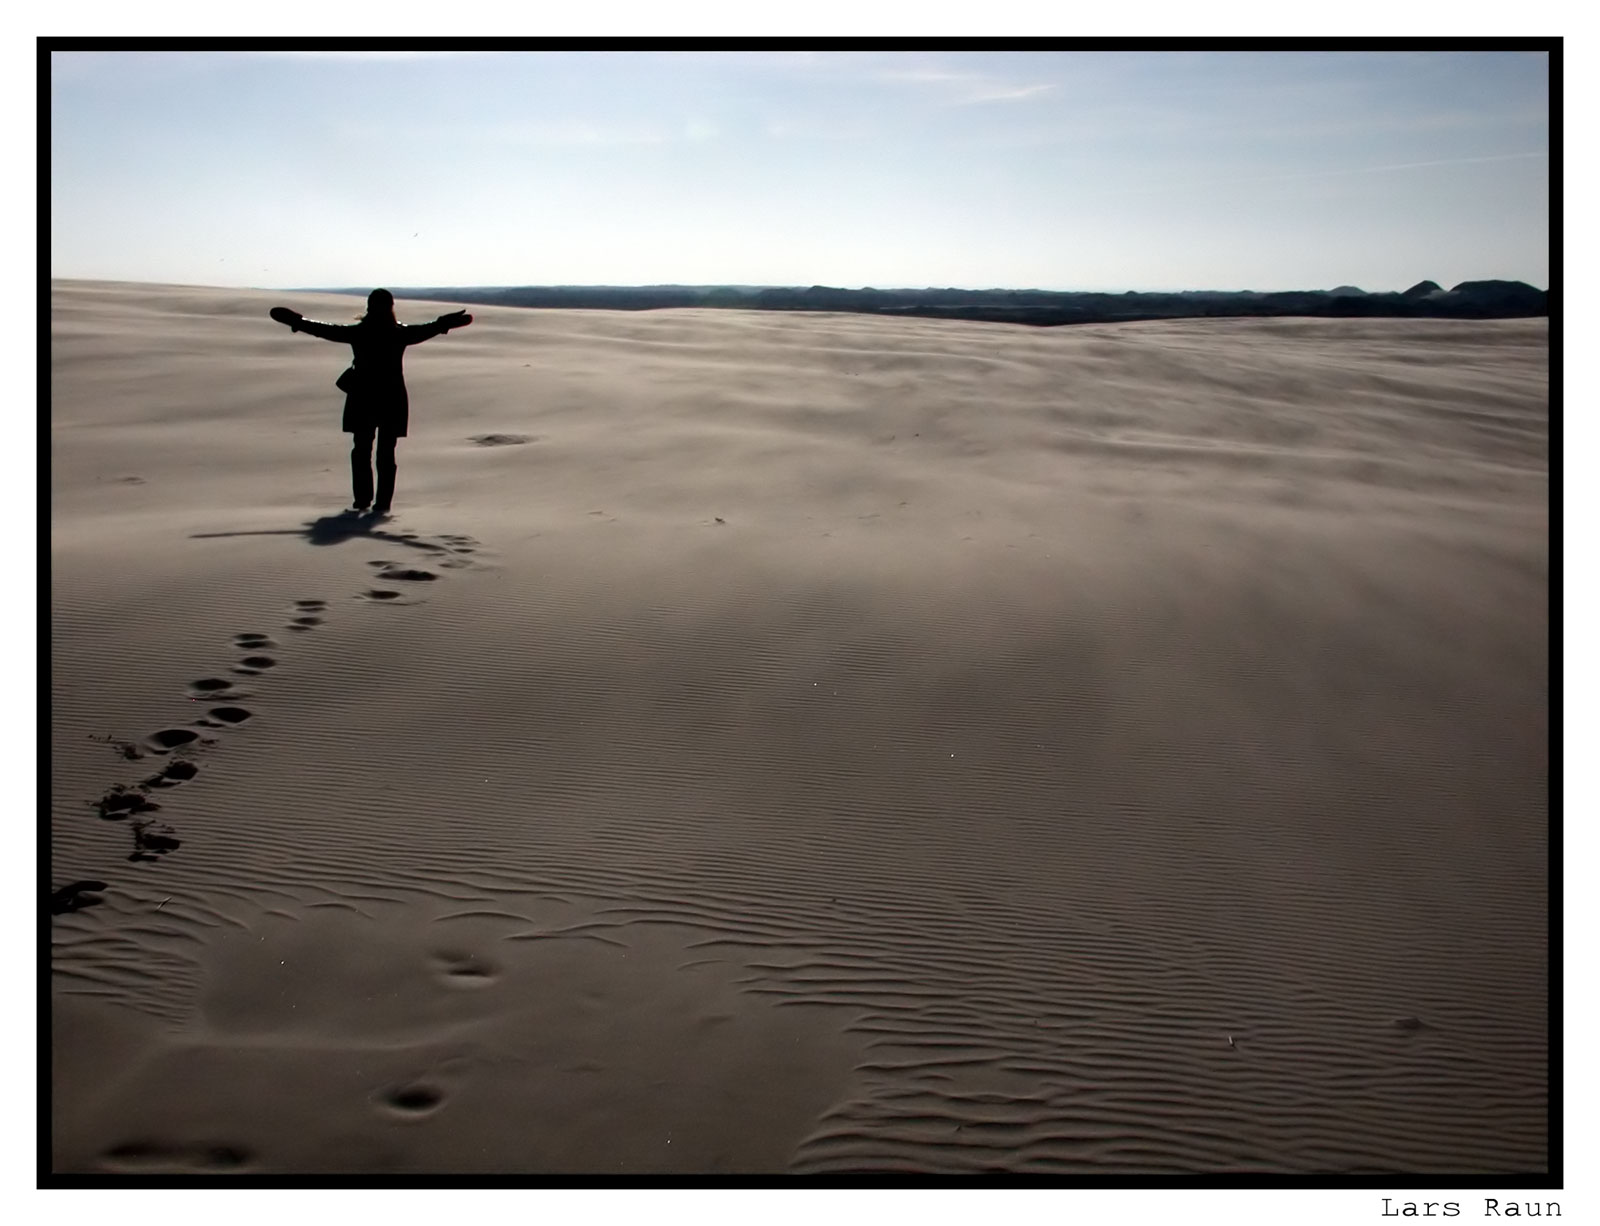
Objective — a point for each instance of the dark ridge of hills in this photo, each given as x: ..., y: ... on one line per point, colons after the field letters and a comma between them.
x: 1509, y: 297
x: 1043, y: 308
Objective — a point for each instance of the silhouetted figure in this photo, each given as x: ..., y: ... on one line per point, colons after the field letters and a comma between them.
x: 375, y: 400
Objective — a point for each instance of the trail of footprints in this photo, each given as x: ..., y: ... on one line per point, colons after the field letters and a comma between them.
x: 135, y: 803
x: 411, y: 1099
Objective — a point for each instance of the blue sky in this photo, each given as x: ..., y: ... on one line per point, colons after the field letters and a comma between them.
x: 1086, y: 170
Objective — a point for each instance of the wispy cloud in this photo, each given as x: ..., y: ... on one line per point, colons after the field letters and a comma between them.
x: 1012, y: 93
x: 928, y: 76
x: 963, y: 87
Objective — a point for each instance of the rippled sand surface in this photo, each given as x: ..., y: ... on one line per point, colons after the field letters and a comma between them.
x: 807, y: 743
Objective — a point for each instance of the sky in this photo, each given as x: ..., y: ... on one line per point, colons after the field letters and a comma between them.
x: 1065, y: 170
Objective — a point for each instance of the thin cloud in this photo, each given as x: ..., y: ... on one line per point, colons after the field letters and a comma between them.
x: 928, y: 76
x: 1008, y: 94
x: 964, y: 88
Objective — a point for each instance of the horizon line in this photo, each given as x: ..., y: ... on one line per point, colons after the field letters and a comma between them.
x: 753, y: 285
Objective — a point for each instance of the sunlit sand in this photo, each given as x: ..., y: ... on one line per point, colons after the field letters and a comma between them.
x: 789, y: 742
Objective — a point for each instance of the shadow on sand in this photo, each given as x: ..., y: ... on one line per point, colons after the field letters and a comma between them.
x: 331, y: 530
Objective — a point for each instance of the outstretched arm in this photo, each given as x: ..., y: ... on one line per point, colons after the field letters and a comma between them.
x: 417, y: 333
x: 297, y: 322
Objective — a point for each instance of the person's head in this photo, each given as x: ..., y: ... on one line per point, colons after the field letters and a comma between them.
x: 380, y: 308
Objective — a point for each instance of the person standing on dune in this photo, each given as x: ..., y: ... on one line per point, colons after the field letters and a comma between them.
x: 375, y: 402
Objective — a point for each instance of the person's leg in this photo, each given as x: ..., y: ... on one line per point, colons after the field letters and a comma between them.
x: 361, y: 469
x: 386, y: 467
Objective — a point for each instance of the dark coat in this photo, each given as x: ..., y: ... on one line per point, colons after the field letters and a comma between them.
x: 379, y: 401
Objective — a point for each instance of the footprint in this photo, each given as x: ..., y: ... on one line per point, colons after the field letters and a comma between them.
x: 380, y: 594
x: 254, y: 664
x: 465, y: 970
x: 209, y: 685
x: 172, y: 774
x: 121, y: 802
x: 169, y: 739
x: 229, y: 715
x: 252, y: 642
x: 149, y: 843
x: 499, y: 440
x: 407, y: 574
x: 125, y: 749
x: 223, y: 1155
x: 414, y: 1099
x: 76, y: 897
x: 306, y: 614
x: 145, y: 1154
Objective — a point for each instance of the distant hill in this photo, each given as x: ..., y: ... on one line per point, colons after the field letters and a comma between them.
x: 1501, y: 297
x: 1045, y: 308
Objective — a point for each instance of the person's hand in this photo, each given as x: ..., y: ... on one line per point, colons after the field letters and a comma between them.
x: 285, y: 316
x: 456, y: 319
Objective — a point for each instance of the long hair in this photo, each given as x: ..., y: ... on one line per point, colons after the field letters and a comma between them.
x: 380, y: 309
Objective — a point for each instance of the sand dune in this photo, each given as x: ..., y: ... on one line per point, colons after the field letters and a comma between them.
x: 806, y: 743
